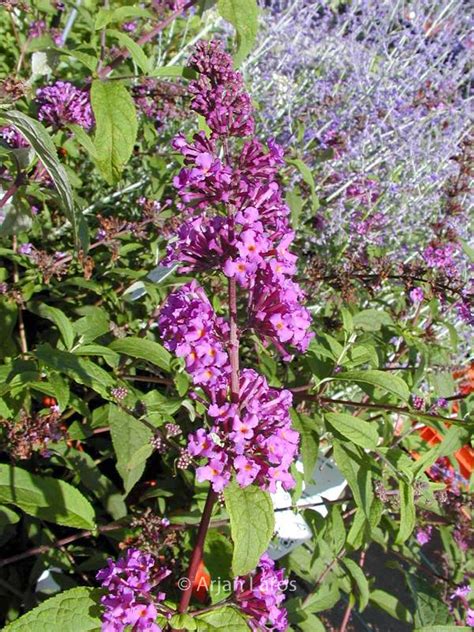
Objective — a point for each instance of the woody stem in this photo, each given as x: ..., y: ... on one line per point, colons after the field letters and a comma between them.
x: 196, y: 556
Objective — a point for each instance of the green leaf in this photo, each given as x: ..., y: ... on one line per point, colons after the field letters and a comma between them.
x: 218, y: 561
x: 40, y: 140
x: 59, y: 318
x: 160, y: 273
x: 430, y: 609
x: 309, y: 443
x: 103, y: 17
x: 252, y: 523
x: 391, y: 605
x: 90, y: 59
x: 371, y: 320
x: 226, y: 619
x: 323, y: 598
x: 7, y: 516
x: 93, y: 479
x: 84, y: 139
x: 131, y: 441
x: 352, y: 462
x: 243, y: 15
x: 336, y: 530
x: 407, y: 511
x: 93, y: 325
x: 17, y: 219
x: 360, y: 432
x: 74, y: 610
x: 111, y: 357
x: 308, y: 177
x: 454, y: 439
x: 78, y: 369
x: 359, y: 578
x: 144, y: 349
x: 61, y: 389
x: 106, y: 16
x: 125, y: 13
x: 135, y: 50
x: 116, y: 127
x: 175, y: 71
x: 390, y: 383
x: 45, y: 497
x: 311, y: 624
x: 182, y: 622
x: 444, y: 628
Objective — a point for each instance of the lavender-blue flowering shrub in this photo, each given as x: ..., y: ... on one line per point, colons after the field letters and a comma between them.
x: 377, y: 96
x: 233, y: 386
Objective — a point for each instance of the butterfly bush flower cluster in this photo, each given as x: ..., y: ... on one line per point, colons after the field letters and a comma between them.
x: 192, y: 330
x: 261, y: 594
x: 131, y: 596
x: 62, y: 103
x: 12, y: 138
x: 253, y: 435
x: 235, y: 222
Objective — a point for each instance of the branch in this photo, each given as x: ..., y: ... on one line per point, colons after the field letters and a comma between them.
x: 348, y: 612
x: 44, y: 548
x: 124, y: 54
x: 196, y: 556
x: 388, y: 407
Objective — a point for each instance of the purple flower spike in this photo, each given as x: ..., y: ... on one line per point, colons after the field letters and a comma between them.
x: 260, y: 596
x: 63, y: 103
x: 131, y: 592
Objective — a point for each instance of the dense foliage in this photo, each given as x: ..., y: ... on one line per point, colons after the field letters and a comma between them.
x: 235, y: 301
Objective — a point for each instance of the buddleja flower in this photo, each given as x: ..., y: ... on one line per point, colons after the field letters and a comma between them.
x: 12, y: 138
x: 253, y: 437
x: 131, y: 597
x: 62, y: 103
x: 423, y: 535
x: 252, y: 244
x: 191, y: 329
x: 236, y: 223
x: 260, y: 596
x: 219, y: 93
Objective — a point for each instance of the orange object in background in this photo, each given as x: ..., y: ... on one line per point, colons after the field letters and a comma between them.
x: 201, y: 583
x: 464, y: 456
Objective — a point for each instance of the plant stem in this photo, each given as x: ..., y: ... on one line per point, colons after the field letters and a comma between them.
x: 44, y: 548
x: 196, y: 556
x: 348, y: 612
x: 323, y: 576
x: 388, y: 407
x: 233, y: 343
x: 10, y: 192
x: 124, y: 54
x: 21, y: 322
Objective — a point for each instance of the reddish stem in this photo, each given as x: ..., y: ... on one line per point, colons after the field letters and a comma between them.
x: 396, y: 409
x: 233, y: 343
x: 348, y: 612
x: 10, y: 192
x: 196, y: 556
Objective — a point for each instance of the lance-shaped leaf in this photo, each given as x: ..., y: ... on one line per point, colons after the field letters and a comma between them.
x: 243, y: 15
x: 390, y: 383
x: 40, y: 140
x: 360, y: 432
x: 45, y: 497
x: 116, y: 127
x: 131, y: 441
